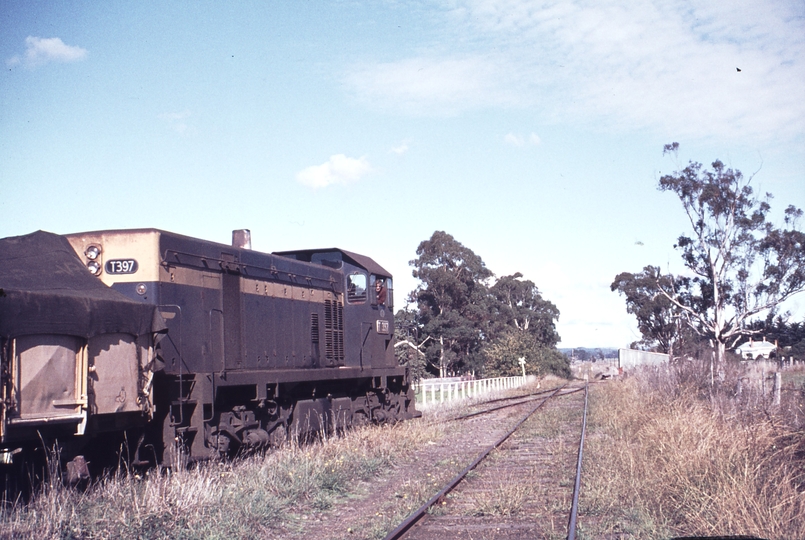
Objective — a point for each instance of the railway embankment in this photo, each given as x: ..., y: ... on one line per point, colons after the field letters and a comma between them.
x: 664, y: 457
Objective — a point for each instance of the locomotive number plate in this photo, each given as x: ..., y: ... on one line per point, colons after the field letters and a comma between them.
x: 382, y: 327
x: 121, y: 266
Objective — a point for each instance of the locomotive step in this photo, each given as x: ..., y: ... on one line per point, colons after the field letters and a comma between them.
x: 184, y: 402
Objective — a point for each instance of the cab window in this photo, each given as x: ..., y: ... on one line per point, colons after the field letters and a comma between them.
x: 356, y: 288
x: 381, y: 290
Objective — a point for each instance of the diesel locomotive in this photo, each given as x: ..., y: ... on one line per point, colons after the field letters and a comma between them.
x: 192, y: 349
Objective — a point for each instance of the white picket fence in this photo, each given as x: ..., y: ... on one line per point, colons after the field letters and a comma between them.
x: 452, y: 389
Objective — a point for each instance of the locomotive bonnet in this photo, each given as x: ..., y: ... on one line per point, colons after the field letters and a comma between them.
x: 192, y: 349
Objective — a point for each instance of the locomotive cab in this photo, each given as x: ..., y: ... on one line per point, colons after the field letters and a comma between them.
x: 368, y: 306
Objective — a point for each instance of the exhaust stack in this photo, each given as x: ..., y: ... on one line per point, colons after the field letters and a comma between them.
x: 242, y: 238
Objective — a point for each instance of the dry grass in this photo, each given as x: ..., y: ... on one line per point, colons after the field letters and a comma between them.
x: 245, y: 498
x: 506, y: 497
x: 320, y: 488
x: 666, y: 459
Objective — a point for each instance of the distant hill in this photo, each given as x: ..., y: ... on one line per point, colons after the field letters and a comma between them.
x: 587, y: 353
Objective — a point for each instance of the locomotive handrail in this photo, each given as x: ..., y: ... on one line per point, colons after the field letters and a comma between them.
x: 269, y: 272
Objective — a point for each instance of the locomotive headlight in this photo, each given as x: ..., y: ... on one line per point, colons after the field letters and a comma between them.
x: 94, y: 268
x: 92, y: 252
x: 141, y: 289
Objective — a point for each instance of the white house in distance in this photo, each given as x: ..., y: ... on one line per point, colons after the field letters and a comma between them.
x: 756, y: 349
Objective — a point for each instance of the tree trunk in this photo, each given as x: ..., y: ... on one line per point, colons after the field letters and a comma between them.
x: 441, y: 358
x: 721, y: 350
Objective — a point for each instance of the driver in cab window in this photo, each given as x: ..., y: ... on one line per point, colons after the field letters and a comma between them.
x: 380, y: 292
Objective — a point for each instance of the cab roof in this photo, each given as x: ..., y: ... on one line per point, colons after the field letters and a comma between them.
x: 355, y: 259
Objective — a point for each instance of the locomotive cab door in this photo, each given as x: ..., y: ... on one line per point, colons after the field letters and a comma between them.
x: 370, y: 319
x: 357, y: 328
x: 381, y: 300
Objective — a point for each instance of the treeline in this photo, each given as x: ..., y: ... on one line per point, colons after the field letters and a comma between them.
x: 583, y: 354
x: 789, y: 335
x: 466, y: 321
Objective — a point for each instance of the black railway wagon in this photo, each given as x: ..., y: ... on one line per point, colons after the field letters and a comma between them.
x: 251, y: 346
x: 76, y: 357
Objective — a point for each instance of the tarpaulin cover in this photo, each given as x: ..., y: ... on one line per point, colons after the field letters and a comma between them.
x: 46, y: 289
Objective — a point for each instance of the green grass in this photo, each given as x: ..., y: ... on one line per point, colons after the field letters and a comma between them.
x: 794, y: 377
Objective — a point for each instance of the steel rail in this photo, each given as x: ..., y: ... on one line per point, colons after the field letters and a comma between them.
x: 525, y: 398
x: 403, y: 527
x: 527, y: 394
x: 574, y: 509
x: 529, y: 400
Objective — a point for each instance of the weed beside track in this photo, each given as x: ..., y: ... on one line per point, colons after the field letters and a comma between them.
x: 662, y: 458
x: 250, y: 497
x: 665, y: 459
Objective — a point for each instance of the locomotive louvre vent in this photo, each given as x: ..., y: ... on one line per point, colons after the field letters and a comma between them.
x: 328, y: 345
x: 314, y: 327
x: 340, y: 335
x: 334, y: 330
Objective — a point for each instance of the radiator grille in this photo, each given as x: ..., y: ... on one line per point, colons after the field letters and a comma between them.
x: 314, y: 327
x: 334, y: 331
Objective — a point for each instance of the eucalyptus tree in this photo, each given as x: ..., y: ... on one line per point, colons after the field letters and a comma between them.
x: 452, y: 299
x: 742, y: 265
x: 523, y: 325
x: 520, y: 306
x: 659, y: 320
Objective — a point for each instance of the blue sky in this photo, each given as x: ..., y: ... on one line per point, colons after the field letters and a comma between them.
x: 530, y: 131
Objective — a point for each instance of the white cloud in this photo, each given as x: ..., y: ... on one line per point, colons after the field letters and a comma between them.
x: 177, y: 121
x: 512, y: 139
x: 519, y: 141
x: 401, y: 149
x: 340, y: 169
x: 666, y: 66
x: 40, y: 51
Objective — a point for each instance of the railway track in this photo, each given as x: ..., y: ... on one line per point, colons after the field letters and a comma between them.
x: 512, y: 401
x: 522, y: 485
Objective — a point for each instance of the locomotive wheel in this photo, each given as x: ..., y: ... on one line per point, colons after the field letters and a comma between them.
x: 223, y: 444
x: 278, y: 436
x: 175, y: 455
x: 360, y: 419
x: 393, y: 414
